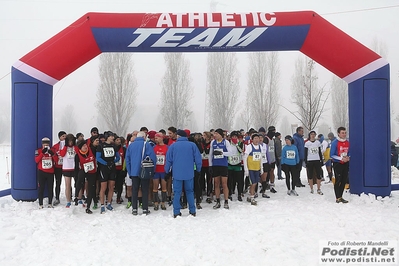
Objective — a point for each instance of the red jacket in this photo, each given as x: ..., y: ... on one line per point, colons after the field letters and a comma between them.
x: 87, y: 162
x: 44, y: 161
x: 57, y: 158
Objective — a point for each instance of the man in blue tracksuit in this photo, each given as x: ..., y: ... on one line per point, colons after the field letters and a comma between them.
x: 181, y: 158
x: 300, y: 145
x: 134, y: 157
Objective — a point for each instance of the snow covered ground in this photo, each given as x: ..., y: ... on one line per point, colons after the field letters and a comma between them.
x: 282, y: 230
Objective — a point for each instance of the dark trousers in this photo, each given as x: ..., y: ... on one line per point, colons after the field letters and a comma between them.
x: 209, y: 182
x: 204, y: 177
x: 80, y: 182
x: 145, y: 185
x: 91, y: 188
x: 290, y: 173
x: 236, y: 178
x: 278, y: 164
x: 43, y: 180
x: 120, y: 179
x: 298, y: 173
x: 341, y: 172
x: 58, y: 180
x: 197, y: 186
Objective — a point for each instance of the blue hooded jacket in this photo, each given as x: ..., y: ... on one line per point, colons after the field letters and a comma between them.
x: 181, y: 158
x: 134, y: 156
x: 299, y: 142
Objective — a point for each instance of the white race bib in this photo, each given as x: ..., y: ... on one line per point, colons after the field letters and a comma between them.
x: 264, y: 157
x: 234, y: 160
x: 71, y: 153
x: 109, y: 152
x: 218, y: 156
x: 47, y: 163
x: 290, y: 154
x: 160, y: 159
x: 88, y: 166
x: 314, y: 151
x: 256, y: 156
x: 271, y: 148
x: 60, y: 160
x: 205, y: 156
x: 119, y: 162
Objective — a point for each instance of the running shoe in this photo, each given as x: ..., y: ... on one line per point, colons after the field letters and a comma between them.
x: 264, y: 195
x: 289, y: 192
x: 217, y: 205
x: 175, y: 215
x: 226, y: 205
x: 129, y: 204
x: 68, y: 205
x: 56, y: 202
x: 88, y: 211
x: 163, y: 207
x: 311, y: 191
x: 272, y: 190
x: 253, y: 202
x: 248, y: 199
x: 199, y: 206
x: 256, y: 195
x: 239, y: 198
x: 156, y: 207
x: 146, y: 212
x: 209, y: 200
x: 341, y: 200
x: 81, y: 202
x: 76, y: 201
x: 102, y: 209
x: 109, y: 207
x: 134, y: 212
x: 193, y: 214
x: 50, y: 206
x: 319, y: 192
x: 40, y: 206
x: 294, y: 193
x: 95, y: 206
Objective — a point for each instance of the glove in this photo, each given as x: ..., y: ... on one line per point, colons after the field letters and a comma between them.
x: 51, y: 152
x: 217, y: 153
x: 246, y: 173
x: 44, y: 150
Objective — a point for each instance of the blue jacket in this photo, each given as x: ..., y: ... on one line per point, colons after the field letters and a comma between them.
x: 293, y: 156
x: 299, y: 142
x: 134, y: 156
x: 181, y: 158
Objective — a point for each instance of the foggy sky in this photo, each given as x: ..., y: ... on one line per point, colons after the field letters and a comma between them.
x: 24, y: 25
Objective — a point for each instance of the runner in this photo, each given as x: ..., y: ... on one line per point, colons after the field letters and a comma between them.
x: 107, y: 156
x: 325, y: 151
x: 128, y: 180
x: 278, y: 148
x: 218, y: 153
x: 94, y: 143
x: 205, y: 175
x: 45, y: 173
x: 160, y: 151
x: 253, y: 165
x: 289, y: 164
x: 331, y: 138
x: 68, y: 166
x: 313, y: 161
x: 87, y: 170
x: 172, y: 139
x: 58, y: 165
x: 236, y: 173
x: 272, y: 156
x: 265, y: 165
x: 120, y: 172
x: 300, y: 145
x: 340, y: 158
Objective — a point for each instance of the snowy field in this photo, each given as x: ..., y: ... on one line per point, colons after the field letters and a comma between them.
x: 282, y: 230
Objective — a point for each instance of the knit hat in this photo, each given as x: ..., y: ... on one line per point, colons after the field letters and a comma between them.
x: 151, y: 134
x: 271, y: 128
x: 94, y: 129
x: 262, y: 130
x: 78, y: 135
x: 159, y: 135
x: 277, y: 134
x: 330, y: 135
x: 81, y: 143
x: 234, y: 133
x: 289, y: 138
x: 220, y: 132
x: 45, y: 140
x: 181, y: 133
x: 312, y: 131
x: 188, y: 132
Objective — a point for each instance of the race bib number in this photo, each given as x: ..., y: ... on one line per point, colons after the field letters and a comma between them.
x: 160, y: 159
x: 256, y: 156
x: 218, y: 156
x: 119, y: 162
x: 88, y: 167
x: 47, y: 163
x: 109, y: 152
x: 70, y: 153
x: 290, y: 154
x: 234, y: 160
x: 204, y: 156
x: 60, y: 160
x: 271, y: 148
x: 314, y: 151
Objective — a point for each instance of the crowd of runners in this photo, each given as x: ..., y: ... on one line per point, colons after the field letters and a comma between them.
x: 105, y: 168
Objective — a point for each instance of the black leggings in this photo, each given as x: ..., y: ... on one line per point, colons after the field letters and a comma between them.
x: 91, y: 188
x: 341, y: 172
x: 290, y: 172
x: 197, y: 186
x: 120, y: 179
x: 145, y: 185
x: 236, y: 178
x: 204, y: 177
x: 58, y: 180
x: 45, y: 179
x: 80, y: 182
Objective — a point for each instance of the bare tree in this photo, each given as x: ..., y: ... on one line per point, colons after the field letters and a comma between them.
x: 68, y: 119
x: 263, y: 78
x: 340, y: 106
x: 222, y: 89
x: 116, y: 96
x: 244, y: 119
x: 309, y: 98
x: 285, y: 127
x: 176, y: 90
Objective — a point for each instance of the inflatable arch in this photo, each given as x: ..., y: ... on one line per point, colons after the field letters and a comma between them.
x: 34, y: 75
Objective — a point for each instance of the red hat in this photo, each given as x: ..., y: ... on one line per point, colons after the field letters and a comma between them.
x: 187, y: 132
x: 151, y: 134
